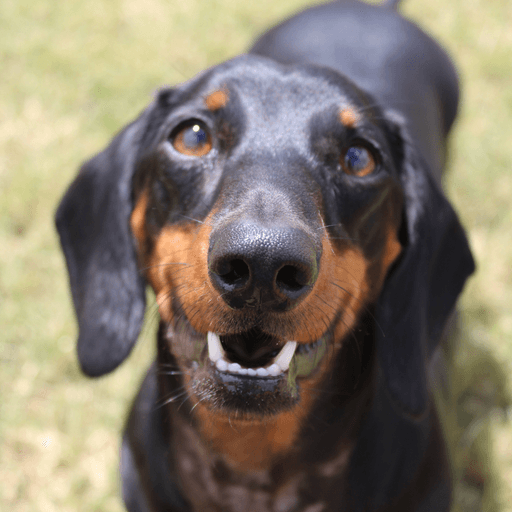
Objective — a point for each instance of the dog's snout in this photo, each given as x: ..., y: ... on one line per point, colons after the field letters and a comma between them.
x: 267, y: 268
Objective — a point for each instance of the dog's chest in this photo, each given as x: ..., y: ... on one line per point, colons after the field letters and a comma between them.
x: 208, y: 484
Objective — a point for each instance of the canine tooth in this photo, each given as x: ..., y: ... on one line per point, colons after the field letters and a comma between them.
x: 234, y: 367
x: 222, y: 365
x: 214, y: 347
x: 274, y: 369
x: 262, y: 372
x: 285, y: 356
x: 251, y: 372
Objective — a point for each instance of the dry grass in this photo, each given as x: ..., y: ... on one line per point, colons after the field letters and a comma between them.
x: 72, y: 74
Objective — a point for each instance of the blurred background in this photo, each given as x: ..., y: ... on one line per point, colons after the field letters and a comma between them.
x: 72, y: 74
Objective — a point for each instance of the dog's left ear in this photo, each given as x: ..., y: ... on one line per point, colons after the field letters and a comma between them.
x: 421, y: 291
x: 93, y: 224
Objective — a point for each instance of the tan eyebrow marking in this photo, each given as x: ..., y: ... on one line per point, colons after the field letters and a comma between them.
x: 216, y: 99
x: 348, y: 117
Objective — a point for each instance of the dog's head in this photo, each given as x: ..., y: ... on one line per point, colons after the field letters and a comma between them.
x: 270, y: 208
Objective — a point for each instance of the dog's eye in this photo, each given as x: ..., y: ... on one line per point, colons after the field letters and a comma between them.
x: 192, y: 138
x: 358, y: 161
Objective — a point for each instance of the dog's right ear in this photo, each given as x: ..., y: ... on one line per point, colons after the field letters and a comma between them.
x: 93, y: 223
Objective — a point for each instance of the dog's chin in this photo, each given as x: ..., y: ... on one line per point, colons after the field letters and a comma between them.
x: 246, y: 375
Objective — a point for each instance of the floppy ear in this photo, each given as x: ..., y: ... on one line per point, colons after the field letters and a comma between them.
x: 421, y: 291
x: 93, y: 224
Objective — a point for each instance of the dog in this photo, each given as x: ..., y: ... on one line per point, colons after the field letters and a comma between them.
x: 285, y: 207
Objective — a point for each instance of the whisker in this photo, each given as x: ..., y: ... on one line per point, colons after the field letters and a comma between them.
x: 173, y: 397
x: 329, y: 226
x: 231, y: 425
x: 200, y: 399
x: 325, y: 302
x: 191, y: 218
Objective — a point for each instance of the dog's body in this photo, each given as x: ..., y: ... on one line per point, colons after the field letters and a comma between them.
x: 305, y: 264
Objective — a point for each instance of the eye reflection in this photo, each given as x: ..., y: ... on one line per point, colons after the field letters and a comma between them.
x: 358, y: 161
x: 192, y: 138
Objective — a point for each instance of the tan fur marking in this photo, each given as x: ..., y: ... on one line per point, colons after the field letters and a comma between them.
x: 392, y: 247
x: 179, y: 263
x: 340, y: 287
x: 217, y: 99
x: 391, y: 251
x: 252, y: 445
x: 349, y: 117
x: 138, y: 217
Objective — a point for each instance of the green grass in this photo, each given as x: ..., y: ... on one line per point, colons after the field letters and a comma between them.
x: 72, y: 74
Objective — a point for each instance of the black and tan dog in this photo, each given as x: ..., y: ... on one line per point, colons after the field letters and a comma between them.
x: 285, y: 208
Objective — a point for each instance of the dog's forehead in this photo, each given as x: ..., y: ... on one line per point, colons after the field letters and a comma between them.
x: 268, y: 89
x: 278, y: 102
x: 304, y: 85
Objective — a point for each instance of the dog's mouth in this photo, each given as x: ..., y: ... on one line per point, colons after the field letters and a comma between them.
x: 250, y: 373
x: 257, y: 354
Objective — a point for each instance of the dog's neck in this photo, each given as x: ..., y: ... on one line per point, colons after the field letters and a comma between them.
x: 275, y: 456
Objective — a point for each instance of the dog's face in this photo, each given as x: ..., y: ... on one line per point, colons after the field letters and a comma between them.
x: 267, y: 206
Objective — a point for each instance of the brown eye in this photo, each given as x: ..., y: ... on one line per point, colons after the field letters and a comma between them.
x: 358, y: 161
x: 192, y: 138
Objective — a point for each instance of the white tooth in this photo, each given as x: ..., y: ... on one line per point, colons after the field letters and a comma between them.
x: 243, y: 371
x: 234, y: 367
x: 285, y: 356
x: 214, y: 347
x: 222, y: 365
x: 274, y: 369
x: 262, y: 372
x: 251, y: 372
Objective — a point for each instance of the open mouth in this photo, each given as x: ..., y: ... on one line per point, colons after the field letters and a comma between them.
x: 250, y: 373
x: 255, y: 354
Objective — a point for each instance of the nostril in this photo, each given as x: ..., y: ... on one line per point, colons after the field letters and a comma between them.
x: 291, y: 279
x: 234, y: 273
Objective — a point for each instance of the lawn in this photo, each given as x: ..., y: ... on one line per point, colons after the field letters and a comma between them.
x: 72, y: 74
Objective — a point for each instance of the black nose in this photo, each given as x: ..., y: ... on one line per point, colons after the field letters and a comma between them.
x: 262, y: 267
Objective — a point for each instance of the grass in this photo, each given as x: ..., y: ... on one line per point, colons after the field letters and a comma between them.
x: 72, y: 74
